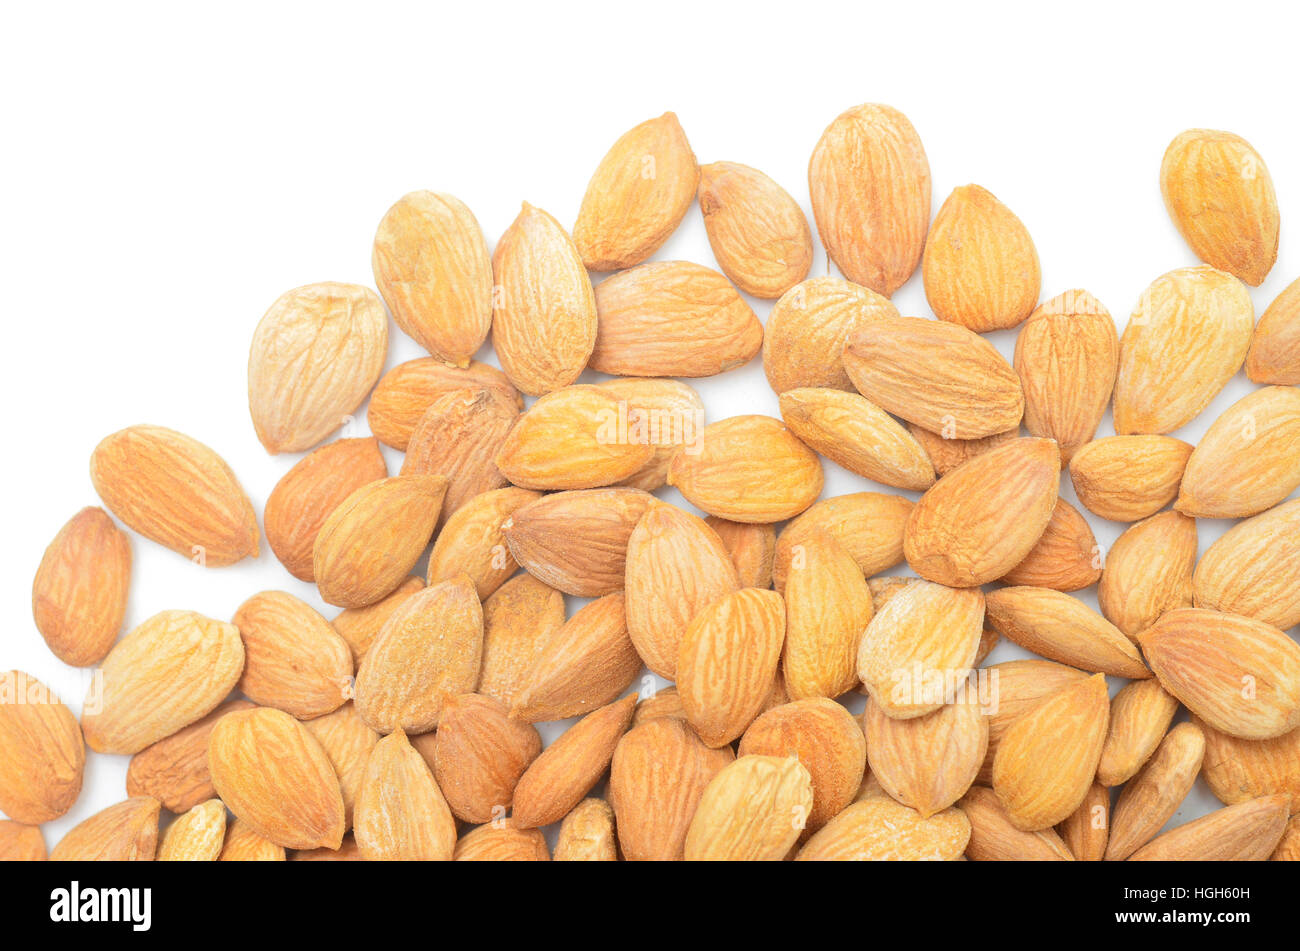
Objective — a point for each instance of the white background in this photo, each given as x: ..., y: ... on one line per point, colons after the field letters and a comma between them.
x: 167, y: 173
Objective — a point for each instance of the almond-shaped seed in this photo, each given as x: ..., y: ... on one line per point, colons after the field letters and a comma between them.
x: 478, y: 756
x: 124, y: 832
x: 1067, y: 356
x: 1140, y: 715
x: 869, y: 525
x: 1060, y: 627
x: 432, y: 267
x: 80, y: 590
x: 1012, y: 688
x: 360, y: 626
x: 577, y: 541
x: 1065, y: 557
x: 828, y: 607
x: 502, y: 842
x: 1236, y: 770
x: 994, y: 838
x: 1246, y: 832
x: 1086, y: 831
x: 370, y: 543
x: 878, y: 829
x: 727, y: 660
x: 568, y: 768
x: 920, y: 647
x: 637, y: 196
x: 406, y: 392
x: 748, y: 469
x: 853, y: 432
x: 1129, y: 478
x: 175, y: 769
x: 459, y: 437
x: 587, y: 834
x: 196, y: 836
x: 475, y: 540
x: 753, y: 810
x: 752, y: 547
x: 869, y: 180
x: 1274, y: 355
x: 294, y: 660
x: 805, y: 332
x: 1187, y: 337
x: 164, y: 675
x: 1154, y: 795
x: 826, y: 740
x: 21, y: 843
x: 980, y: 266
x: 309, y: 492
x: 1248, y: 460
x: 668, y: 414
x: 981, y: 520
x: 519, y: 620
x: 348, y: 741
x: 1220, y: 196
x: 42, y: 755
x: 587, y: 663
x: 1047, y: 759
x: 947, y: 453
x: 578, y: 437
x: 676, y: 565
x: 427, y: 652
x: 1254, y: 569
x: 672, y: 318
x: 315, y: 357
x: 401, y: 814
x: 243, y: 844
x: 544, y: 311
x: 940, y: 376
x: 1148, y: 572
x: 1239, y: 675
x: 177, y: 492
x: 758, y: 233
x: 659, y: 772
x: 927, y: 762
x: 274, y: 774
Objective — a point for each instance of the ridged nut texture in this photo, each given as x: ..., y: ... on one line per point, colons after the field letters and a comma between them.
x: 1220, y: 195
x: 544, y: 311
x: 980, y: 265
x: 1185, y: 340
x: 637, y: 196
x: 758, y: 233
x: 940, y: 376
x: 273, y: 774
x: 748, y: 469
x: 177, y: 492
x: 1067, y: 357
x: 432, y: 267
x: 80, y: 591
x: 805, y: 332
x: 672, y: 318
x: 165, y: 674
x: 315, y: 357
x: 869, y: 179
x: 980, y: 521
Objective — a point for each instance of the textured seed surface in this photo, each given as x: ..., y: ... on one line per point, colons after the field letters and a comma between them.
x: 177, y: 492
x: 869, y: 179
x: 316, y: 355
x: 79, y: 594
